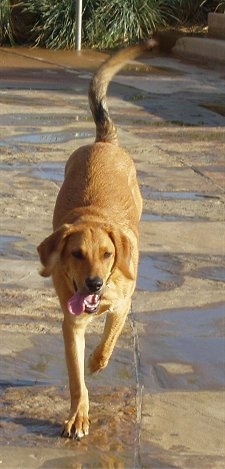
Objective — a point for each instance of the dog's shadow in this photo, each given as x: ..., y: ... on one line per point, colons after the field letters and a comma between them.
x: 43, y: 428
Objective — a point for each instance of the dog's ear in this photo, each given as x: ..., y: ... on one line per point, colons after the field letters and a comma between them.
x: 50, y: 249
x: 123, y: 253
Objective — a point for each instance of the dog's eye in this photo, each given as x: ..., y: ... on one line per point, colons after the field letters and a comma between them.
x: 78, y: 254
x: 107, y: 254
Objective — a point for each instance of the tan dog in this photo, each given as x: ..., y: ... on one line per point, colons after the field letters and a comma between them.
x: 92, y: 255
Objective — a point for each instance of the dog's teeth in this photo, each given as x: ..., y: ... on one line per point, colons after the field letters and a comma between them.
x: 91, y: 307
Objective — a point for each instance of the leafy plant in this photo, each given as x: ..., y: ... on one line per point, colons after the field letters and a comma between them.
x: 188, y: 11
x: 125, y: 21
x: 221, y: 6
x: 106, y: 23
x: 55, y: 25
x: 6, y: 27
x: 198, y: 9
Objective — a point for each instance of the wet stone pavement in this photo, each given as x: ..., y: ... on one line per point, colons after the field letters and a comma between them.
x: 160, y: 402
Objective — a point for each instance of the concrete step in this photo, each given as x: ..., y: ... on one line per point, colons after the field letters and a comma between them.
x: 201, y: 48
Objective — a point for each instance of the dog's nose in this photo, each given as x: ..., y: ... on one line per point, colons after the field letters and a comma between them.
x: 94, y: 284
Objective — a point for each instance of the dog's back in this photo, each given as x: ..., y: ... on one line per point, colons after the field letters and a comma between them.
x: 96, y: 182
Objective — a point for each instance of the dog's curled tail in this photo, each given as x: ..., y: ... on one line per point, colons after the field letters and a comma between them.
x: 105, y: 129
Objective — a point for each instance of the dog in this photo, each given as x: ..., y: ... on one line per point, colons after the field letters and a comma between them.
x: 92, y: 254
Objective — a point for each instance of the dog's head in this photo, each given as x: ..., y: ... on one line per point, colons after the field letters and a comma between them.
x: 87, y: 254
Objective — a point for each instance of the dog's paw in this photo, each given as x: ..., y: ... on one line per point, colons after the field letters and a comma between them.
x: 77, y: 425
x: 97, y: 361
x: 76, y: 428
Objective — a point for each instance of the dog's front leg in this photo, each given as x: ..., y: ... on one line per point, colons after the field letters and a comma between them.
x: 77, y: 425
x: 113, y: 327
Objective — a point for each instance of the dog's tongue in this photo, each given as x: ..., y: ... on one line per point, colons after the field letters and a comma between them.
x: 79, y: 303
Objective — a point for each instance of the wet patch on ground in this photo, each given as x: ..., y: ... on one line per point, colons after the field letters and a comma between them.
x: 112, y: 432
x: 23, y: 174
x: 175, y: 195
x: 157, y: 273
x: 151, y: 217
x: 16, y: 247
x: 39, y: 359
x: 52, y: 137
x: 7, y: 242
x: 190, y: 114
x: 31, y: 101
x: 47, y: 120
x: 34, y: 399
x: 184, y: 348
x: 211, y: 272
x: 161, y: 272
x: 52, y: 171
x: 140, y: 69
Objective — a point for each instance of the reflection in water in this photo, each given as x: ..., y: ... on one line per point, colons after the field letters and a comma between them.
x: 184, y: 348
x: 90, y: 460
x: 45, y: 137
x: 158, y: 273
x: 175, y: 195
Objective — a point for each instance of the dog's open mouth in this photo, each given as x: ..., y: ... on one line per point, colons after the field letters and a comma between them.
x: 80, y: 303
x: 91, y: 303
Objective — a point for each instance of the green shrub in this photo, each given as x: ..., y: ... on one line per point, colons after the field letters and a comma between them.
x: 221, y: 6
x: 123, y: 21
x: 55, y: 24
x: 6, y: 27
x: 189, y: 11
x: 106, y: 23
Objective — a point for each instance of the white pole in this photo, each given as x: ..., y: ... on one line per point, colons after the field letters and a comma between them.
x: 78, y: 24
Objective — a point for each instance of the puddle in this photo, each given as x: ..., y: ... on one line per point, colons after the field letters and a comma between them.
x: 40, y: 361
x: 48, y: 171
x: 45, y: 137
x: 192, y: 339
x: 52, y: 171
x: 7, y: 243
x: 38, y: 425
x: 158, y: 273
x: 216, y: 273
x: 141, y: 69
x: 47, y: 120
x: 34, y: 399
x: 16, y: 247
x: 31, y: 100
x: 163, y: 218
x: 161, y: 195
x: 156, y: 217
